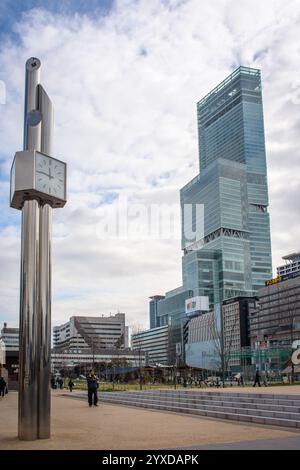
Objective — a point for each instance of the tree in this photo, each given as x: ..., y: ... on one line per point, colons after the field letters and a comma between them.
x: 222, y: 338
x: 138, y: 347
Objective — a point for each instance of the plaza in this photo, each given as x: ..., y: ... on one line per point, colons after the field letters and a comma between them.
x: 76, y: 426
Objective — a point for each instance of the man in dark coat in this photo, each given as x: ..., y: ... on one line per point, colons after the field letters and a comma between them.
x: 71, y: 385
x: 257, y: 378
x: 2, y: 386
x: 92, y: 384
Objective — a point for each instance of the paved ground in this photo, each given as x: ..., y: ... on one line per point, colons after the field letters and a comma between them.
x: 279, y: 389
x: 76, y: 426
x: 282, y: 443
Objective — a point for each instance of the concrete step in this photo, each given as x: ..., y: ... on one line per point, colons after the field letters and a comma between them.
x: 199, y: 401
x: 230, y: 395
x: 230, y: 413
x: 225, y: 398
x: 291, y: 414
x: 217, y: 405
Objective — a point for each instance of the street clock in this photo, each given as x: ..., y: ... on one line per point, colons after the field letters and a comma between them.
x: 35, y: 175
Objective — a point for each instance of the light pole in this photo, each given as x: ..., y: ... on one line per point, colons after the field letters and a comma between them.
x: 38, y: 184
x: 93, y: 352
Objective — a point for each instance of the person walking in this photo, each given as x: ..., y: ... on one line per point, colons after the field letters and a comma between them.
x: 257, y: 378
x: 92, y: 384
x: 242, y: 380
x: 3, y: 386
x: 238, y: 378
x: 71, y: 385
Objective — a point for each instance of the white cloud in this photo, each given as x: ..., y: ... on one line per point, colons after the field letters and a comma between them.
x: 125, y: 88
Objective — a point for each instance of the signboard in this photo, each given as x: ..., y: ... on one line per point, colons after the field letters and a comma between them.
x: 196, y: 304
x: 296, y: 357
x: 284, y: 277
x: 178, y: 349
x: 2, y: 352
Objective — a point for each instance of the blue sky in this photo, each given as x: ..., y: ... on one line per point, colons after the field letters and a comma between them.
x: 12, y: 11
x: 124, y: 78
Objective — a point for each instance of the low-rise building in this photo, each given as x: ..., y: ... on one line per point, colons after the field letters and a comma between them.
x: 66, y: 360
x: 81, y: 333
x: 9, y: 339
x: 292, y: 264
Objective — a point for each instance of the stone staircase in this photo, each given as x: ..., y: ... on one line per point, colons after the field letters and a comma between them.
x: 259, y: 408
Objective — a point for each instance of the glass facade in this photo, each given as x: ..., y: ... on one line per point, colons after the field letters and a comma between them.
x: 233, y: 257
x: 153, y: 310
x: 154, y: 343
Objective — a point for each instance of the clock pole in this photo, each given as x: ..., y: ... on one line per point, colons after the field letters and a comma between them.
x: 35, y: 286
x: 45, y: 220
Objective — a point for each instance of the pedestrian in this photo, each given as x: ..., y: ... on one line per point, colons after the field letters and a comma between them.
x: 61, y: 383
x: 3, y: 386
x: 265, y: 382
x: 71, y: 385
x: 257, y: 378
x: 92, y: 384
x: 238, y: 378
x: 242, y: 380
x: 53, y: 385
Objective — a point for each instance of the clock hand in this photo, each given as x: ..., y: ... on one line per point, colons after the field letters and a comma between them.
x: 42, y: 173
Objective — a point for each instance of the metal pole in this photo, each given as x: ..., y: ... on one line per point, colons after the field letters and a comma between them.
x: 44, y: 402
x: 28, y: 336
x: 35, y: 289
x: 29, y: 328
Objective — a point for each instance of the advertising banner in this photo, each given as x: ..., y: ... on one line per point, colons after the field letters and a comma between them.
x: 196, y: 304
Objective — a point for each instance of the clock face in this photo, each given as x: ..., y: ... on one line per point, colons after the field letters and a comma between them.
x: 50, y: 176
x: 12, y: 179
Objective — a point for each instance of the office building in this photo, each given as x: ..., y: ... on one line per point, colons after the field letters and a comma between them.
x: 9, y: 339
x: 153, y: 310
x: 235, y: 327
x: 224, y: 210
x: 80, y: 333
x: 230, y: 255
x: 154, y: 343
x: 171, y: 311
x: 67, y: 360
x: 203, y: 340
x: 291, y: 266
x: 276, y: 321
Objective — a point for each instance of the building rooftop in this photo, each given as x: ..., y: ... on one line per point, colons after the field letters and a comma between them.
x: 227, y: 80
x: 292, y: 256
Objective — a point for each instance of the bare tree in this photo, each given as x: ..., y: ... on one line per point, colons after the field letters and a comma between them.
x: 137, y: 328
x: 223, y: 341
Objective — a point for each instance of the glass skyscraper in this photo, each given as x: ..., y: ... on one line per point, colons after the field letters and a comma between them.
x: 233, y: 256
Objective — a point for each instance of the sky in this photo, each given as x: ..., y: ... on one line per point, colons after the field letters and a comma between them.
x: 124, y: 77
